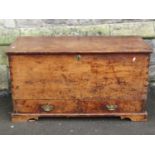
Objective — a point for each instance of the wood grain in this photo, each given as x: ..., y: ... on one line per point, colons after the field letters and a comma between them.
x: 96, y: 77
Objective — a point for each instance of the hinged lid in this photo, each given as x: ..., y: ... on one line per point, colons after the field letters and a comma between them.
x: 71, y: 44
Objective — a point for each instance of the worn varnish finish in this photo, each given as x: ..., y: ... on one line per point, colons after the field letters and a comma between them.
x: 79, y: 76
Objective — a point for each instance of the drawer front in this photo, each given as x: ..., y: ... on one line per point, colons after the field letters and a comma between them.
x: 81, y: 77
x: 70, y: 106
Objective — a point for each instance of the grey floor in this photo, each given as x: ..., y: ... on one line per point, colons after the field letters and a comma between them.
x: 77, y: 126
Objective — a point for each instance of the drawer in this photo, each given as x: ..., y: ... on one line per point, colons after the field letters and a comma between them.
x: 72, y: 106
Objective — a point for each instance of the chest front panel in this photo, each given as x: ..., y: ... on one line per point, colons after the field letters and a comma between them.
x: 87, y: 77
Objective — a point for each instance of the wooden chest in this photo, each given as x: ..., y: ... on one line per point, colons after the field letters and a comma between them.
x: 79, y: 76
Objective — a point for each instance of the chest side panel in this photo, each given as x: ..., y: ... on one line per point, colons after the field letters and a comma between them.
x: 88, y: 77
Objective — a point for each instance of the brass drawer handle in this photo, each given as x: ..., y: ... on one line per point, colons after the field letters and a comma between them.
x: 47, y: 107
x: 111, y: 107
x: 78, y: 57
